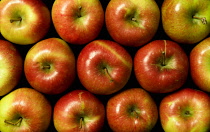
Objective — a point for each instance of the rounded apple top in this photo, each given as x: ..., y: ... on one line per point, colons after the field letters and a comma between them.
x: 104, y: 67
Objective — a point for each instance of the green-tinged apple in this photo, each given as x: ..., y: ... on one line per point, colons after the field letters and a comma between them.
x: 24, y: 21
x: 132, y: 110
x: 104, y: 67
x: 50, y: 66
x: 161, y: 66
x: 25, y: 110
x: 79, y: 111
x: 78, y: 21
x: 132, y: 22
x: 187, y: 110
x: 199, y: 64
x: 11, y: 67
x: 186, y: 21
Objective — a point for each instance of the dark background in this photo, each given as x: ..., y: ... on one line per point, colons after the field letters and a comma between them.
x: 132, y: 83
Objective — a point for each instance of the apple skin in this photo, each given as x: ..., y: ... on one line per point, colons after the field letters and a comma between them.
x: 78, y: 22
x: 132, y: 22
x: 132, y: 110
x: 155, y: 76
x: 33, y: 26
x: 199, y: 64
x: 11, y: 67
x: 50, y: 66
x: 187, y: 110
x: 178, y: 21
x: 76, y: 107
x: 28, y: 104
x: 104, y: 67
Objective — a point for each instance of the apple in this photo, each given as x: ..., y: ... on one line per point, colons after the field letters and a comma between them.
x: 24, y: 21
x: 104, y: 67
x: 199, y: 64
x: 187, y: 110
x: 78, y: 22
x: 186, y: 21
x: 132, y: 110
x: 161, y: 66
x: 79, y: 110
x: 11, y: 67
x: 132, y: 22
x: 50, y: 66
x: 24, y: 110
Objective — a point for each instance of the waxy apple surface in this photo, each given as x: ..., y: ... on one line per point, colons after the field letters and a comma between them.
x: 186, y: 21
x: 104, y: 67
x: 161, y: 66
x: 132, y: 110
x: 24, y: 110
x: 24, y: 21
x: 79, y: 111
x: 199, y: 64
x: 50, y: 66
x: 132, y: 22
x: 78, y: 22
x: 187, y: 110
x: 11, y: 67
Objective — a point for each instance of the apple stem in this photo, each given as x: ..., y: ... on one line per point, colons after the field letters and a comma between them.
x: 16, y: 19
x: 164, y: 58
x: 46, y: 67
x: 203, y: 19
x: 136, y: 114
x: 109, y: 76
x: 187, y: 113
x: 134, y: 19
x: 79, y: 12
x: 81, y: 122
x: 14, y: 124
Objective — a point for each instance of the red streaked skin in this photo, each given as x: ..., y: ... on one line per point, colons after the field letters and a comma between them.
x: 33, y: 26
x: 99, y: 56
x: 199, y: 64
x: 132, y: 110
x: 78, y: 22
x: 187, y: 110
x: 150, y: 72
x: 50, y: 66
x: 132, y: 22
x: 79, y: 111
x: 11, y: 67
x: 28, y: 104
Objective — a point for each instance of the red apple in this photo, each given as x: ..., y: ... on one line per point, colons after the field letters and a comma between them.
x: 50, y: 66
x: 104, y: 67
x: 199, y: 64
x: 25, y: 110
x: 187, y: 110
x: 24, y: 21
x: 79, y: 110
x: 132, y: 22
x: 161, y: 66
x: 78, y: 22
x: 11, y: 67
x: 186, y: 21
x: 132, y: 110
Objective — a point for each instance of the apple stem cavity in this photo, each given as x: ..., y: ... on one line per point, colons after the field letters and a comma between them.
x: 203, y: 19
x: 16, y: 19
x: 18, y: 122
x: 81, y: 121
x: 107, y: 73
